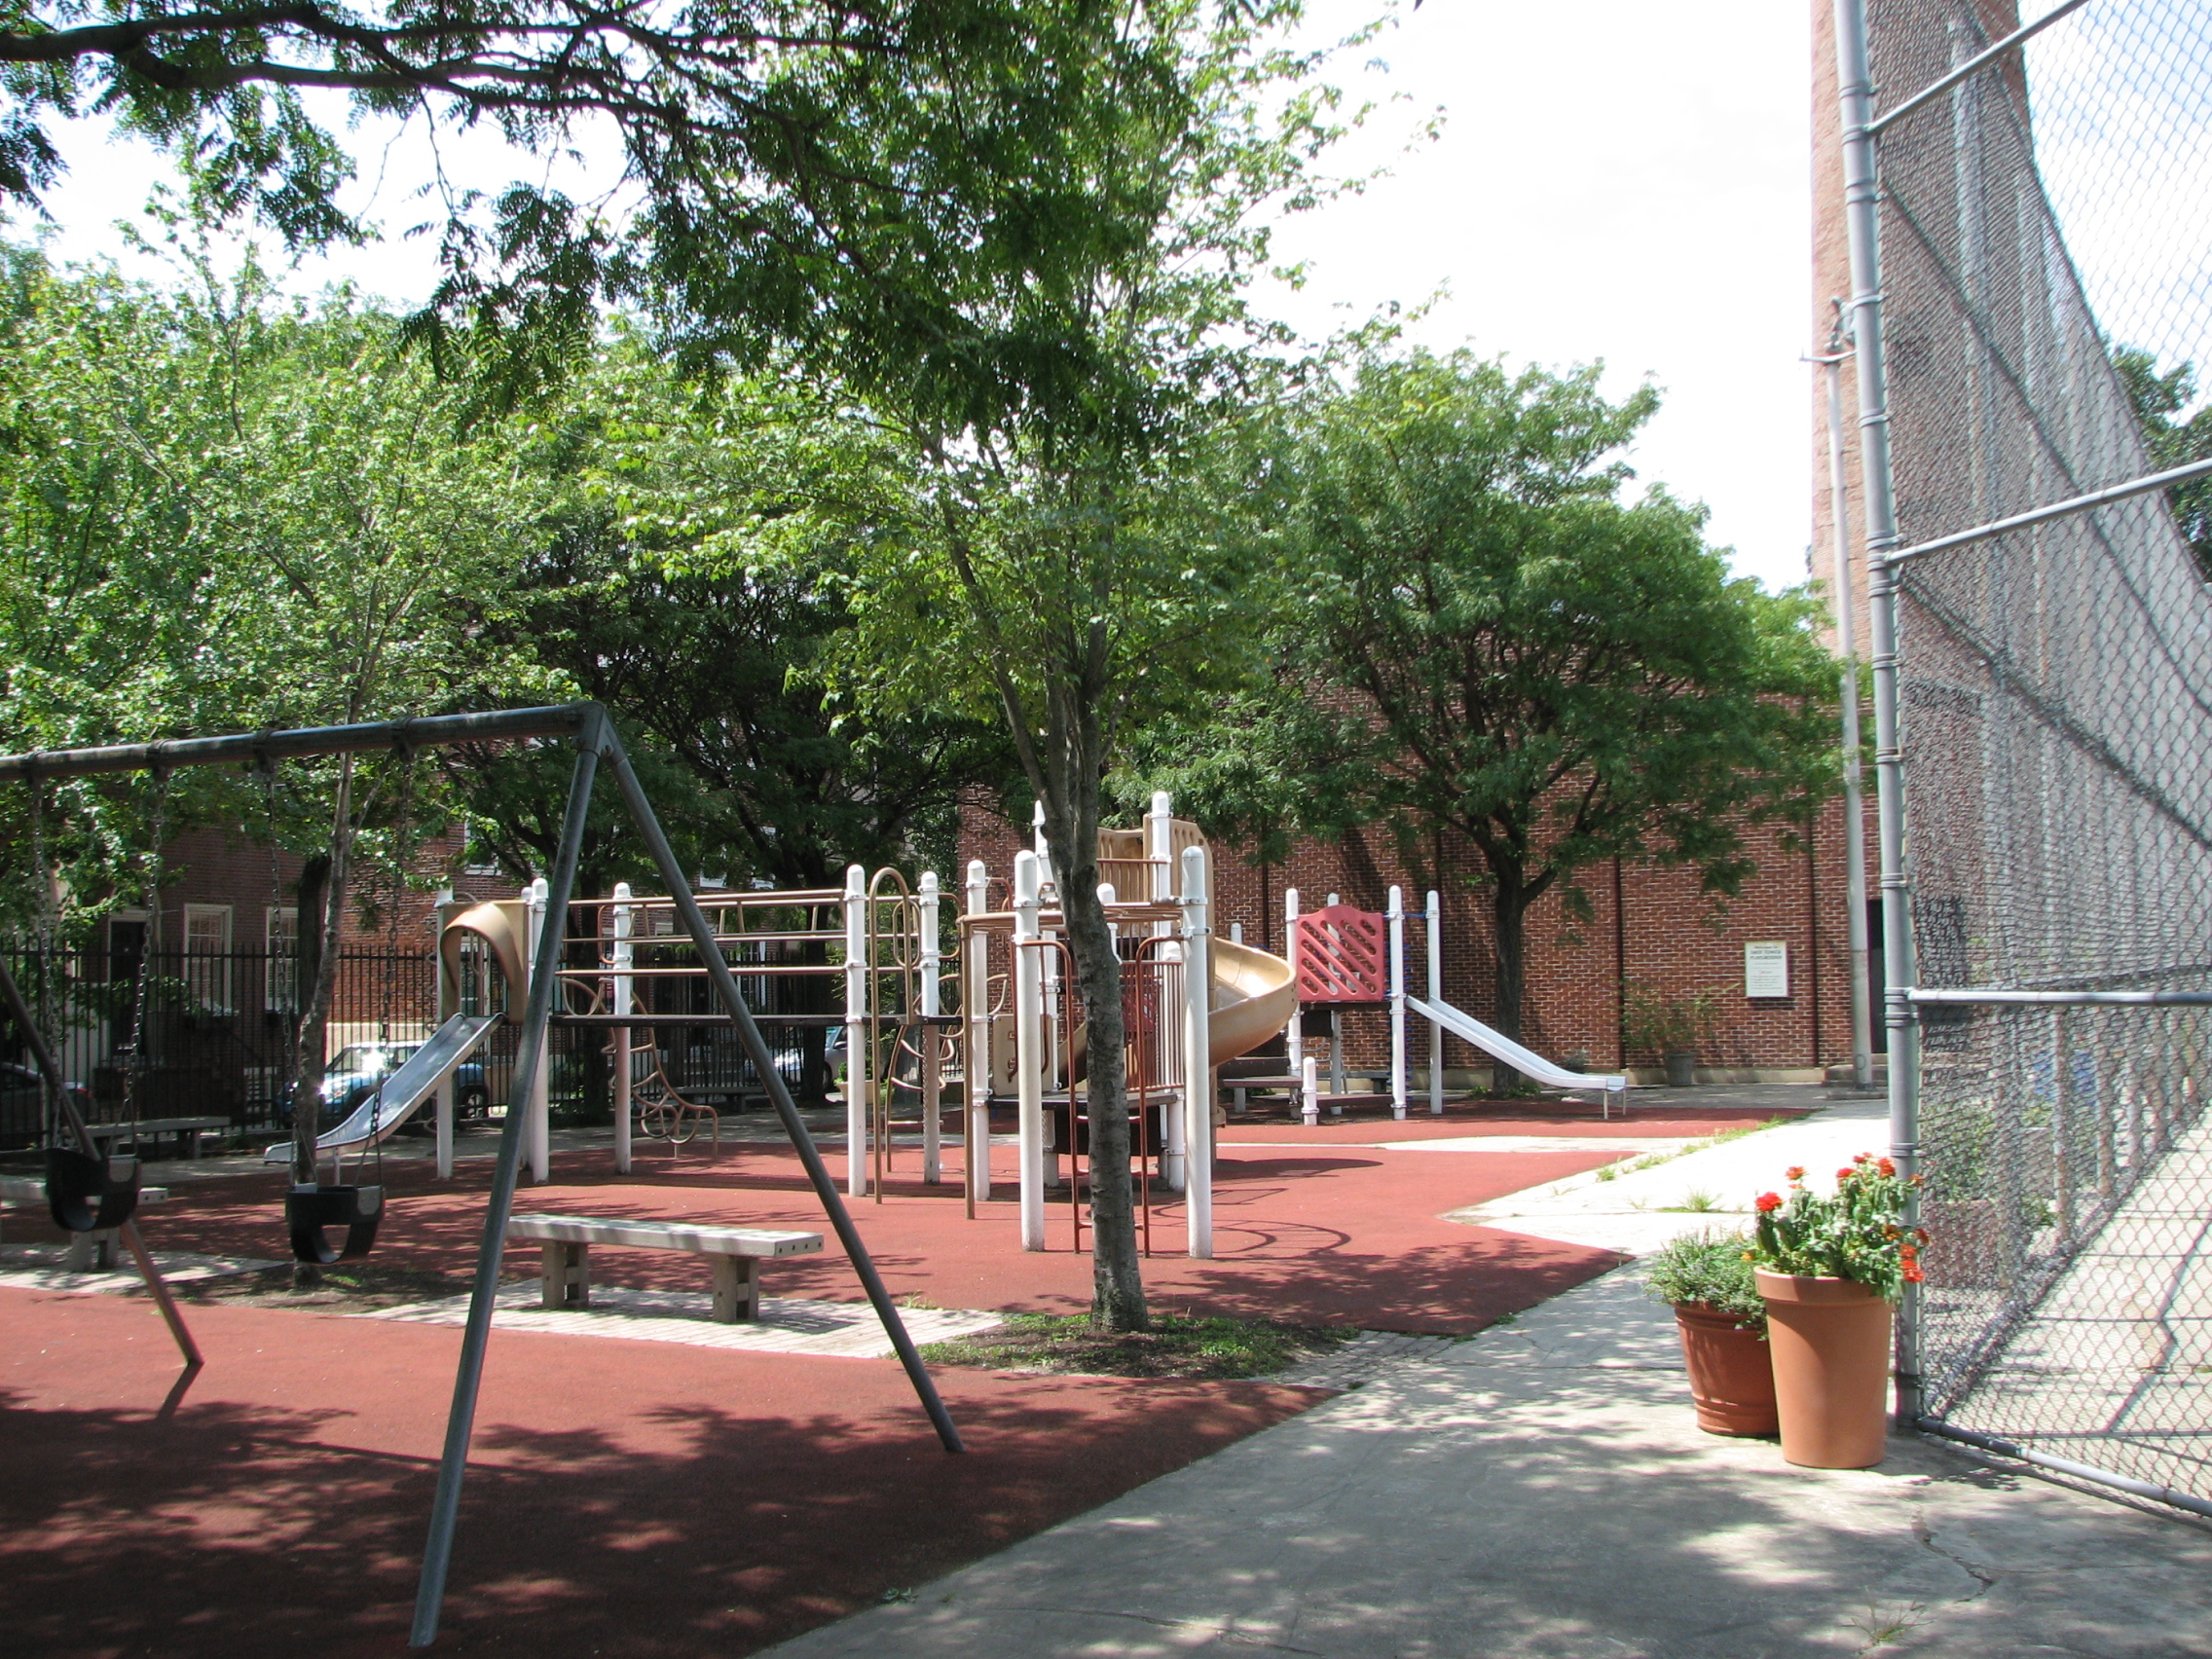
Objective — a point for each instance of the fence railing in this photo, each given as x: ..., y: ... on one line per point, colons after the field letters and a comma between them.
x: 2030, y: 321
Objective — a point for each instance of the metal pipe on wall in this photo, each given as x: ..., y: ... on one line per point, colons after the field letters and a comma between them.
x: 1853, y: 798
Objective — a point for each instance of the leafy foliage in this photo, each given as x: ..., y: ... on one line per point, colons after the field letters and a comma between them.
x: 1550, y: 673
x: 1856, y: 1233
x: 2158, y: 399
x: 1709, y: 1269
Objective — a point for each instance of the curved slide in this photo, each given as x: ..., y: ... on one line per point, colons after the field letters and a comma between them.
x: 499, y: 925
x: 1254, y: 995
x: 402, y: 1093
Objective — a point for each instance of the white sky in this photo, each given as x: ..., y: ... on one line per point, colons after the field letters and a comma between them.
x: 1616, y: 180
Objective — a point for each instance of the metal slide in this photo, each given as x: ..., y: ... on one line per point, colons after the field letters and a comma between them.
x: 404, y: 1091
x: 1500, y: 1047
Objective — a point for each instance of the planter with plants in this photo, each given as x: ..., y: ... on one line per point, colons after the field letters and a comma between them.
x: 1671, y: 1027
x: 1707, y: 1280
x: 1829, y: 1267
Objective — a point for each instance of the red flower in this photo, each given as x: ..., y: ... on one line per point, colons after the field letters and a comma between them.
x: 1864, y: 1158
x: 1769, y: 1202
x: 1885, y: 1167
x: 1912, y: 1275
x: 1796, y: 1172
x: 1922, y: 1233
x: 1845, y: 1174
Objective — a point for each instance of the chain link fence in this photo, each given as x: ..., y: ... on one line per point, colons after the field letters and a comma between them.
x: 2045, y: 270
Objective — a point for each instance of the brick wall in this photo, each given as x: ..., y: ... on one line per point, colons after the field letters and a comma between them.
x: 1662, y: 932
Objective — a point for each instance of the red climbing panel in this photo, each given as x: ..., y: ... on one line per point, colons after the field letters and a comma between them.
x: 1342, y: 955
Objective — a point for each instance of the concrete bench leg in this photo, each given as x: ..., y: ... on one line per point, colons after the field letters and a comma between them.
x: 90, y: 1253
x: 737, y: 1288
x: 564, y: 1276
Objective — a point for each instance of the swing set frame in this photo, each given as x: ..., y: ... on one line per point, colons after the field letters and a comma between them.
x: 587, y: 728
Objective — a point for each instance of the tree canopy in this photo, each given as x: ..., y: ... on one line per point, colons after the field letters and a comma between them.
x: 1533, y: 665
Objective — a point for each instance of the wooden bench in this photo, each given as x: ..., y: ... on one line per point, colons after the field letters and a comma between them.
x: 734, y: 1252
x: 186, y: 1130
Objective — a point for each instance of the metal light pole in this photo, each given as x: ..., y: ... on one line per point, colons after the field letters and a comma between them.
x: 1863, y: 225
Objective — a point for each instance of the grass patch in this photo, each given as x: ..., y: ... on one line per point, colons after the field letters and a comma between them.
x: 1652, y: 1159
x: 1176, y: 1345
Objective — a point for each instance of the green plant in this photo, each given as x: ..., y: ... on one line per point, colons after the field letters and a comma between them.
x: 1856, y: 1233
x: 1663, y: 1025
x: 1713, y: 1268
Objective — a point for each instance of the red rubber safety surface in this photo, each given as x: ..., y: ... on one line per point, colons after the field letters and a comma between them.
x: 624, y: 1498
x: 643, y: 1499
x: 1338, y: 1235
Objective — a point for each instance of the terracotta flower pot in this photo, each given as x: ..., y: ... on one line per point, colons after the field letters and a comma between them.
x: 1731, y: 1378
x: 1829, y: 1339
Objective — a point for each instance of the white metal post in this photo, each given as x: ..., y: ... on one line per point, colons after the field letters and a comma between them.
x: 1028, y: 1045
x: 449, y: 1005
x: 976, y: 1063
x: 1397, y: 918
x: 1336, y: 1036
x: 856, y: 1031
x: 1294, y: 1034
x: 1198, y: 1050
x: 1170, y: 1061
x: 1435, y: 1000
x: 1309, y: 1077
x: 625, y: 1000
x: 933, y: 963
x: 537, y: 1127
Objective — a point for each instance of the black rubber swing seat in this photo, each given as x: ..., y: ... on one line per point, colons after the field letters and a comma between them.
x: 308, y: 1210
x: 89, y: 1195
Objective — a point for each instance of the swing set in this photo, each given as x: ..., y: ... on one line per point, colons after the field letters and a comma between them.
x: 85, y: 1191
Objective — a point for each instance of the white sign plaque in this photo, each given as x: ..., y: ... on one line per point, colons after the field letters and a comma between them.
x: 1766, y: 967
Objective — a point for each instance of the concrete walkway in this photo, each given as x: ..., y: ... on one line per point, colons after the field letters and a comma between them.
x: 1541, y: 1490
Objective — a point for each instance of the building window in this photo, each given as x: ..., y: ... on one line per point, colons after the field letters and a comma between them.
x: 207, y: 957
x: 282, y: 985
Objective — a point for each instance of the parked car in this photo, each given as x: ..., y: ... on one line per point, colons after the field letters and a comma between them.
x: 22, y: 1104
x: 357, y: 1070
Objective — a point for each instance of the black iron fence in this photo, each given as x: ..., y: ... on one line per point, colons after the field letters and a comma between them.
x: 197, y: 1035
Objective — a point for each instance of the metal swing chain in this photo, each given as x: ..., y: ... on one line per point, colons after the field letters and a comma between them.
x: 44, y: 930
x: 149, y: 949
x: 293, y: 1008
x: 402, y: 822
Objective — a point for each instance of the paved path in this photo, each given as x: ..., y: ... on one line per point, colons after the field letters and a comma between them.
x: 1541, y: 1490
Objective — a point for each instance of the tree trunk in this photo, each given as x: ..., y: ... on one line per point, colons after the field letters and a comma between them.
x: 1509, y: 907
x: 322, y: 921
x: 1117, y: 1278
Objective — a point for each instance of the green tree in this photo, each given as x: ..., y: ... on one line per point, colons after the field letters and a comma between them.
x: 2158, y: 399
x: 841, y: 174
x: 1087, y: 560
x: 1544, y: 671
x: 235, y: 511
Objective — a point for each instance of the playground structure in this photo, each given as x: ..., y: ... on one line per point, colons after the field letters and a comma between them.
x: 914, y: 1025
